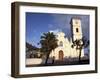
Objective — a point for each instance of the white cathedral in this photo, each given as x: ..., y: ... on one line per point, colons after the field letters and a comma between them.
x: 64, y: 49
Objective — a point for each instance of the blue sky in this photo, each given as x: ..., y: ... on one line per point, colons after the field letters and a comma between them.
x: 38, y: 23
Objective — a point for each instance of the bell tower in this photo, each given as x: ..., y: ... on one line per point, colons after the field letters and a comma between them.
x: 76, y: 31
x: 76, y: 28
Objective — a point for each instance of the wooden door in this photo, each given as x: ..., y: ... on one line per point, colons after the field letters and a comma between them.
x: 61, y: 55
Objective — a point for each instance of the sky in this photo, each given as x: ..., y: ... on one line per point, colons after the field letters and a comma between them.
x: 38, y: 23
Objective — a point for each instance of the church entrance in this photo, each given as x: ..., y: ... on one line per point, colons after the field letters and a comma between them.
x: 61, y: 55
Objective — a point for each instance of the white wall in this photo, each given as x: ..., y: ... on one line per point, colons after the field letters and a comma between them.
x: 5, y: 40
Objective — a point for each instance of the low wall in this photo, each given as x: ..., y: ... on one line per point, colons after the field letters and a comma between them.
x: 34, y: 61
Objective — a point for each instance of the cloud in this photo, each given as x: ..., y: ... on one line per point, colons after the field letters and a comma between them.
x: 55, y: 31
x: 50, y: 26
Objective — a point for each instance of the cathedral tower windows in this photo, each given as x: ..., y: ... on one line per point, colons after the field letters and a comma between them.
x: 61, y: 44
x: 77, y: 30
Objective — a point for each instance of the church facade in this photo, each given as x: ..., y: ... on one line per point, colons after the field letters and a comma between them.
x: 64, y: 49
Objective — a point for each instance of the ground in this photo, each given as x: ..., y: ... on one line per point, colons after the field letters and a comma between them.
x: 71, y: 61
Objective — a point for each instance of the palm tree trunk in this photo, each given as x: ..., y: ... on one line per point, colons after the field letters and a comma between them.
x: 47, y: 57
x: 80, y: 55
x: 53, y: 57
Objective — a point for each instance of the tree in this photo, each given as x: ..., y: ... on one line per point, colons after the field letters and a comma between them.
x: 30, y: 47
x: 80, y: 44
x: 48, y: 43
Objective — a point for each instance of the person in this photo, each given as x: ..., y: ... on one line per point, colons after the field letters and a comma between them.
x: 53, y: 59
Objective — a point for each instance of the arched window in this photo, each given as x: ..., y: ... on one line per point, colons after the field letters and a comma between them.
x: 77, y: 30
x: 61, y: 43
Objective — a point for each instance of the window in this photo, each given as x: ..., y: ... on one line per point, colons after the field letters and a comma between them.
x: 77, y: 30
x: 61, y: 43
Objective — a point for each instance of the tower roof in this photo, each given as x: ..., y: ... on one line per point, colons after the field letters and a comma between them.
x: 75, y: 17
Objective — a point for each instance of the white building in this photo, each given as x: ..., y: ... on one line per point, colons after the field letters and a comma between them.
x: 64, y: 49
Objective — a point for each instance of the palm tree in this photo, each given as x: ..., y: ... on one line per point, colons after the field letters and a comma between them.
x: 48, y: 43
x: 80, y: 44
